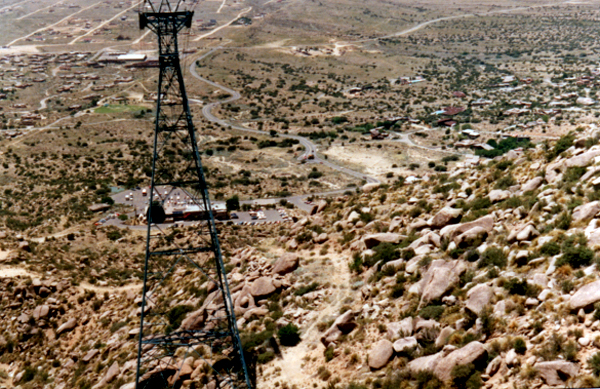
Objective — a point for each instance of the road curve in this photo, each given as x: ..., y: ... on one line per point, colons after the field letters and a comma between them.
x: 309, y: 147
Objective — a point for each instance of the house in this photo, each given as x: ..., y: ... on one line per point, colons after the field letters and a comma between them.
x: 515, y: 111
x: 459, y: 94
x: 448, y: 122
x: 377, y: 133
x: 481, y: 102
x: 471, y: 133
x: 585, y: 101
x: 451, y: 111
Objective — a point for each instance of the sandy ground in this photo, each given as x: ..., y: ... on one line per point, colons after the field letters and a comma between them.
x: 374, y: 163
x: 292, y: 359
x: 25, y: 49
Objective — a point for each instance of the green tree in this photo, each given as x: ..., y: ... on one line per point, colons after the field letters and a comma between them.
x: 233, y: 203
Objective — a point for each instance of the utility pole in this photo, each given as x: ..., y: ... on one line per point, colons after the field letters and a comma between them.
x: 188, y: 326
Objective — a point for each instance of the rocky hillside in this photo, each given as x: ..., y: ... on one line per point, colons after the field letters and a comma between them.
x: 482, y: 277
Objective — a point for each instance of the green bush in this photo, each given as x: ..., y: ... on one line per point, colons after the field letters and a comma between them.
x: 254, y: 339
x: 521, y: 287
x: 561, y: 145
x: 505, y: 182
x: 177, y: 314
x: 432, y: 312
x: 384, y: 252
x: 289, y: 335
x: 427, y: 380
x: 306, y: 289
x: 329, y: 353
x: 563, y: 221
x: 520, y: 346
x: 465, y: 376
x: 493, y: 256
x: 594, y: 364
x: 550, y: 249
x: 576, y: 256
x: 265, y: 357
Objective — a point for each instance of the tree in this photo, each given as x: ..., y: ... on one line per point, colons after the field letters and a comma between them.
x: 233, y: 203
x: 289, y: 335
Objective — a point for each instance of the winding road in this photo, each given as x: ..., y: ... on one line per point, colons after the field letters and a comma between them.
x: 309, y: 147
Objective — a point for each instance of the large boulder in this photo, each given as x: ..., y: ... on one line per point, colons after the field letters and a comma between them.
x: 262, y: 287
x: 473, y: 352
x: 431, y: 238
x: 470, y: 237
x: 399, y: 329
x: 368, y: 188
x: 287, y: 263
x: 112, y: 372
x: 405, y: 344
x: 439, y: 278
x: 582, y: 159
x: 586, y: 211
x: 445, y: 216
x: 557, y: 373
x: 478, y: 297
x: 532, y: 184
x: 380, y: 354
x: 429, y: 362
x: 452, y: 231
x: 528, y: 232
x: 344, y: 324
x: 67, y: 326
x: 586, y: 296
x: 498, y: 195
x: 41, y: 311
x: 373, y: 240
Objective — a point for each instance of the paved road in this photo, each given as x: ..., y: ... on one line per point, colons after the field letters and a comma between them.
x: 309, y: 147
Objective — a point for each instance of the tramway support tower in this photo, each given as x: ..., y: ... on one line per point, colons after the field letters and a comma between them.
x: 186, y: 308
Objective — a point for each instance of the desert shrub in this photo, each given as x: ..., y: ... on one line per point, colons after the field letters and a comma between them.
x: 519, y: 346
x: 573, y: 174
x: 465, y: 376
x: 561, y: 145
x: 177, y: 314
x: 289, y: 335
x: 328, y: 353
x: 252, y: 340
x: 505, y: 182
x: 594, y: 364
x: 114, y: 234
x: 521, y: 287
x: 576, y: 256
x: 567, y: 286
x: 488, y: 321
x: 492, y: 256
x: 306, y: 289
x: 550, y: 249
x: 265, y: 357
x: 597, y: 312
x: 503, y: 146
x: 356, y: 264
x: 432, y: 312
x: 384, y: 252
x: 555, y: 346
x: 503, y: 165
x: 425, y: 379
x: 472, y: 255
x: 563, y: 221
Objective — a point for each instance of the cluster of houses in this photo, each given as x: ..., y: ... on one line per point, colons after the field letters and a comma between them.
x: 508, y: 81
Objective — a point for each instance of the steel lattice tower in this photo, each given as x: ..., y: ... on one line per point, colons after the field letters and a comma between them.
x: 183, y: 270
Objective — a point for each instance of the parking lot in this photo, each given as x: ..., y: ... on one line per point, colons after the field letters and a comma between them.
x: 257, y: 216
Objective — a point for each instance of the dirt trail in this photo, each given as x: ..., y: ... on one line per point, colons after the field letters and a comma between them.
x: 293, y: 358
x: 14, y: 271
